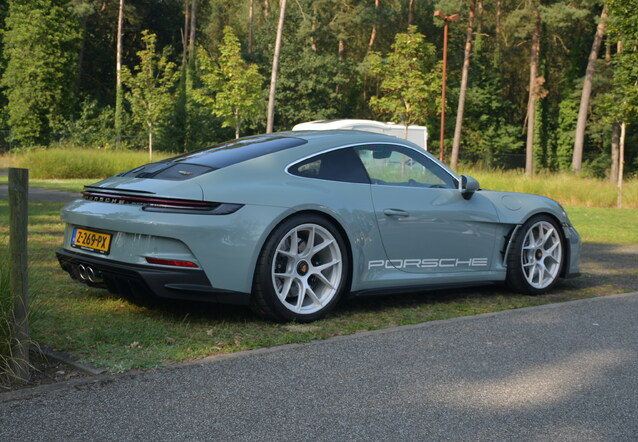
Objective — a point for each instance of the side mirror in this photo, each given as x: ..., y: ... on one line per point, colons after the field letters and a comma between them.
x: 468, y: 186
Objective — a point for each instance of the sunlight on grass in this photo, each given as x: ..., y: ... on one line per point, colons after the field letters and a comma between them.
x: 565, y: 188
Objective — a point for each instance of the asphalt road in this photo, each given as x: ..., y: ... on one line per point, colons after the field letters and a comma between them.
x: 38, y: 194
x: 558, y: 372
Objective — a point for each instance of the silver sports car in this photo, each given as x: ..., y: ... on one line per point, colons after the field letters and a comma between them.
x: 290, y: 222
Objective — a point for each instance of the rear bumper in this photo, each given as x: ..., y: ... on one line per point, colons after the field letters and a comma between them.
x: 139, y: 281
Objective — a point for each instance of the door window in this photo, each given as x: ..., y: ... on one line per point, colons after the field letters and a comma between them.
x: 395, y: 165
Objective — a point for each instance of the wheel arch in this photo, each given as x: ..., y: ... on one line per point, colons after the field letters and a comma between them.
x: 329, y: 218
x: 566, y: 244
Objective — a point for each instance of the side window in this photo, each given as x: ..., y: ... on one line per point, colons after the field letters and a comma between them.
x: 337, y: 165
x: 400, y: 166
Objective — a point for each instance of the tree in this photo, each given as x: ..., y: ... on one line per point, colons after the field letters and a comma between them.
x: 624, y: 29
x: 275, y: 66
x: 119, y: 94
x: 408, y: 81
x: 464, y: 75
x: 232, y: 88
x: 150, y: 86
x: 577, y: 159
x: 41, y: 44
x: 533, y: 91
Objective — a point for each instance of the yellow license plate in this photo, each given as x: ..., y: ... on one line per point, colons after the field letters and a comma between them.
x: 93, y: 241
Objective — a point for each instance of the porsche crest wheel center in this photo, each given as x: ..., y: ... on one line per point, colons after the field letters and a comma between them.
x: 302, y: 268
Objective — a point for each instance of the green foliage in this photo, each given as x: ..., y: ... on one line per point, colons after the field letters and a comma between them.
x: 231, y: 88
x: 567, y: 117
x: 409, y: 82
x: 93, y: 127
x: 623, y: 27
x: 310, y: 87
x: 150, y: 87
x: 40, y: 47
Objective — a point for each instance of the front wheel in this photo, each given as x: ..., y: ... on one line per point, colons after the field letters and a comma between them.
x: 536, y: 256
x: 302, y: 270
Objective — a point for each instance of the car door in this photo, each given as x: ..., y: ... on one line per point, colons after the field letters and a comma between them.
x: 425, y: 224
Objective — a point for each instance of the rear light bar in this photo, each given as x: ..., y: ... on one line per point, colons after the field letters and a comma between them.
x: 171, y: 262
x: 170, y: 205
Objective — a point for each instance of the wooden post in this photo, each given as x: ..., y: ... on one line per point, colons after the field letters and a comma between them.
x: 18, y: 264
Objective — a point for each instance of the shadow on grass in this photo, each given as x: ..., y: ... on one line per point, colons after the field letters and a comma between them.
x: 605, y: 269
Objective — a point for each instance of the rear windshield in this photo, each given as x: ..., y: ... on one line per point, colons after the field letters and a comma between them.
x: 192, y: 164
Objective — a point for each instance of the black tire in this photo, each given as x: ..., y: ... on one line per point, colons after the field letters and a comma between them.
x: 536, y: 256
x: 300, y: 284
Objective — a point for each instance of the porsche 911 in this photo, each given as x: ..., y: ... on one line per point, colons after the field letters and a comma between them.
x: 289, y: 223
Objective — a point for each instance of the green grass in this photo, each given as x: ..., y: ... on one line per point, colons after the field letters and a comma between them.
x: 565, y: 188
x: 608, y: 226
x: 109, y: 332
x: 78, y: 163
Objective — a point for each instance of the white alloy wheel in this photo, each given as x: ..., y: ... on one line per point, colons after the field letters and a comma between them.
x: 307, y: 269
x: 542, y: 255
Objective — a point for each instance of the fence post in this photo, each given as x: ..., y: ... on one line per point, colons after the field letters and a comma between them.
x: 18, y: 265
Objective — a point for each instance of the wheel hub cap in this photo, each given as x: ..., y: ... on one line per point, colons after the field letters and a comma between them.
x: 302, y: 268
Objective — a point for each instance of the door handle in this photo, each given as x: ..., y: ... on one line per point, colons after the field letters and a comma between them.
x: 396, y: 212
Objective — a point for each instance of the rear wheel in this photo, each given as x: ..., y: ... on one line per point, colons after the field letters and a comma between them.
x: 302, y: 270
x: 536, y: 256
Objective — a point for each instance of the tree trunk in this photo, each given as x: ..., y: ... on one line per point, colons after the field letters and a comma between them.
x: 499, y: 8
x: 267, y: 8
x: 82, y: 51
x: 275, y: 67
x: 579, y: 142
x: 615, y: 152
x: 119, y: 96
x: 466, y: 69
x: 621, y: 163
x: 185, y: 37
x: 251, y: 7
x: 531, y: 102
x: 373, y: 34
x: 236, y: 123
x: 479, y: 16
x: 313, y: 38
x: 410, y: 13
x: 191, y: 40
x: 150, y: 142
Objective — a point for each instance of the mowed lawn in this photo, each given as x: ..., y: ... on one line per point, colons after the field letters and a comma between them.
x: 107, y: 331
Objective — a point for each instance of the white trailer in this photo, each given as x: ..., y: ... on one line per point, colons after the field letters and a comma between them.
x: 416, y: 134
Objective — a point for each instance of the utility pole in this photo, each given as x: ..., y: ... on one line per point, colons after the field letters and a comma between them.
x: 446, y: 21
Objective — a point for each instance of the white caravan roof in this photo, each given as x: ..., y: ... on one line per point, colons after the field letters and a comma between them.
x: 416, y: 134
